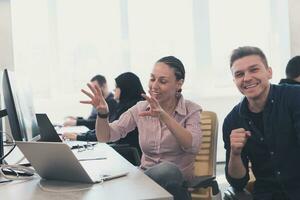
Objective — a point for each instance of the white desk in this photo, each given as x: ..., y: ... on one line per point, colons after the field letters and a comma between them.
x: 135, y: 185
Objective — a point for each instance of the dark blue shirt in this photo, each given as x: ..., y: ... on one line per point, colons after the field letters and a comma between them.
x: 275, y: 154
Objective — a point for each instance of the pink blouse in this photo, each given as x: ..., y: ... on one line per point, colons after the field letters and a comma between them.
x: 157, y: 141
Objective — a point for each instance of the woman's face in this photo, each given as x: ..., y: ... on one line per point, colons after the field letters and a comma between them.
x: 117, y: 94
x: 163, y: 84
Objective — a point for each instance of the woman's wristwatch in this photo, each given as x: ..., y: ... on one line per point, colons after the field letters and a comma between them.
x: 103, y: 116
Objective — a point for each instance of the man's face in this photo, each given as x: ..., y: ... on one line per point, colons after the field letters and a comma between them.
x: 251, y: 77
x: 103, y: 88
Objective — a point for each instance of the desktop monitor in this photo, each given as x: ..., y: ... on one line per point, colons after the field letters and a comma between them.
x: 19, y: 108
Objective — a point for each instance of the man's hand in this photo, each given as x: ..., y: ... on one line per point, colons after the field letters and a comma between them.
x: 69, y: 136
x: 238, y: 139
x: 70, y: 121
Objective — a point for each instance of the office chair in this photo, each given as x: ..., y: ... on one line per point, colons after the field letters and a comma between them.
x: 204, y: 186
x: 129, y: 153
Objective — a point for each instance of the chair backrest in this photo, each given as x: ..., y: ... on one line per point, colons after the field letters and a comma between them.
x: 205, y: 163
x: 129, y: 153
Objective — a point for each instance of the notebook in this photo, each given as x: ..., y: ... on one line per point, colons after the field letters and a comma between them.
x: 56, y: 161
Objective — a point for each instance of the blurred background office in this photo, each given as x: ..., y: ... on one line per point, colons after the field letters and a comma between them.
x: 57, y: 45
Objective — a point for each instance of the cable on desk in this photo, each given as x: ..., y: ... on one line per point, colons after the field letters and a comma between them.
x: 14, y: 146
x: 16, y: 172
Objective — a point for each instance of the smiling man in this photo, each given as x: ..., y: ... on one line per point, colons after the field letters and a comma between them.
x: 264, y: 128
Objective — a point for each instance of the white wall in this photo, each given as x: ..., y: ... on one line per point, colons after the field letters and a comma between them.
x: 294, y: 16
x: 6, y: 48
x: 222, y: 106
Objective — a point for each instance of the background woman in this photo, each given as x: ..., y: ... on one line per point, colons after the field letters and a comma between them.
x: 127, y: 93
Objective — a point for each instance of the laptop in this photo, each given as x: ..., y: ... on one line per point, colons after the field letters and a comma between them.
x: 49, y: 134
x: 56, y: 161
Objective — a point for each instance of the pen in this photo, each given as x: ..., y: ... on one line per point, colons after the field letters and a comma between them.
x: 87, y: 159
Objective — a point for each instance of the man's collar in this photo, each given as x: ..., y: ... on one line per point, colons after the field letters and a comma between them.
x: 243, y: 108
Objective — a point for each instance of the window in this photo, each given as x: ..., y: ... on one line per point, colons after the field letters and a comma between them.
x: 60, y: 44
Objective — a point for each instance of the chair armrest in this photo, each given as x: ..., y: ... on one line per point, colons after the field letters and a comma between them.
x: 233, y: 194
x: 116, y: 145
x: 204, y: 182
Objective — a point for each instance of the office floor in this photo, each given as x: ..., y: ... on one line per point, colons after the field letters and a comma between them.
x: 223, y: 184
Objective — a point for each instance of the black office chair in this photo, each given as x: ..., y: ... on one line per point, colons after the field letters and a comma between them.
x: 233, y: 194
x: 129, y: 153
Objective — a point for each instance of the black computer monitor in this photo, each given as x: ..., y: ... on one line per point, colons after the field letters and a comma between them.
x: 20, y: 111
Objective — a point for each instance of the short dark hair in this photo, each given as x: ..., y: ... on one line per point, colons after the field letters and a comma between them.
x: 292, y: 69
x: 244, y: 51
x: 175, y: 64
x: 100, y: 79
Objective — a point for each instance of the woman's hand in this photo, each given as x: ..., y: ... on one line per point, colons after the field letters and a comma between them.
x: 96, y: 98
x: 155, y: 108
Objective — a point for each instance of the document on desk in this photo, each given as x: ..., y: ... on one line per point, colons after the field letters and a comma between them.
x: 89, y: 155
x: 72, y: 129
x: 82, y: 157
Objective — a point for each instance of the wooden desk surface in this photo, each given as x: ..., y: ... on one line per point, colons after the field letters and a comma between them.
x: 135, y: 185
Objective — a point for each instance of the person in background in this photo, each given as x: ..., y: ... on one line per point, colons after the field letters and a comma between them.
x: 264, y: 128
x: 292, y: 71
x: 168, y: 124
x: 127, y: 93
x: 100, y: 81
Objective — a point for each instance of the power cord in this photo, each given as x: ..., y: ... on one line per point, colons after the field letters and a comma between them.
x: 13, y: 146
x: 16, y: 172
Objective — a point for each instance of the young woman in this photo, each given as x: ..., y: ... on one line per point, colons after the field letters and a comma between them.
x: 127, y: 93
x: 169, y: 126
